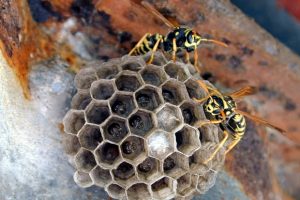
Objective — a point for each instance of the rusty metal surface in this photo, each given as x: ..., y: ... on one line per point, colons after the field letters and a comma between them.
x: 261, y: 167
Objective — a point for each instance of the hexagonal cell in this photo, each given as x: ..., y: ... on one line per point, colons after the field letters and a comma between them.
x: 133, y: 148
x: 138, y: 191
x: 128, y: 82
x: 84, y: 78
x: 208, y: 133
x: 101, y: 177
x: 148, y: 169
x: 82, y: 179
x: 160, y: 144
x: 176, y: 71
x: 174, y: 92
x: 184, y: 184
x: 153, y: 75
x: 107, y: 154
x: 192, y: 112
x: 194, y: 89
x: 148, y: 98
x: 97, y: 113
x: 108, y: 70
x: 124, y: 174
x: 164, y: 188
x: 90, y: 136
x: 85, y: 160
x: 81, y: 100
x: 70, y: 143
x: 206, y: 181
x: 102, y: 89
x: 158, y: 59
x: 122, y: 104
x: 196, y: 161
x: 176, y: 165
x: 115, y: 191
x: 169, y: 117
x: 187, y: 140
x: 115, y: 129
x: 141, y: 123
x: 132, y: 66
x: 73, y: 121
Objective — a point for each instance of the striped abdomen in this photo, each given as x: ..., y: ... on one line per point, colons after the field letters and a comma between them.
x: 148, y: 44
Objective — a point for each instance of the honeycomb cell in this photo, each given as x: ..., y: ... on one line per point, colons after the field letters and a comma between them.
x: 107, y: 154
x: 174, y: 92
x: 132, y: 66
x: 206, y: 181
x: 187, y: 140
x: 176, y: 165
x: 90, y: 136
x: 138, y: 191
x: 85, y: 160
x: 164, y: 188
x: 115, y: 129
x: 97, y: 113
x: 70, y: 143
x: 84, y: 78
x: 124, y: 174
x: 194, y: 89
x: 81, y: 100
x: 101, y: 177
x: 184, y: 185
x: 115, y: 191
x: 102, y: 89
x: 141, y: 123
x: 158, y: 59
x: 208, y: 133
x: 148, y: 169
x: 108, y: 70
x: 153, y: 75
x: 169, y: 117
x: 128, y: 82
x: 160, y: 144
x: 196, y: 161
x: 148, y: 98
x: 133, y: 148
x: 176, y: 71
x: 122, y: 105
x: 73, y: 121
x: 191, y: 112
x: 82, y: 179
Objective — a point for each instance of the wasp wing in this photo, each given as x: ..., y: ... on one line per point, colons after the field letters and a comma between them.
x: 261, y: 121
x: 246, y: 91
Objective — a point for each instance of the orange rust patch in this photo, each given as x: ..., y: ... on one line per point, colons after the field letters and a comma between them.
x: 21, y: 40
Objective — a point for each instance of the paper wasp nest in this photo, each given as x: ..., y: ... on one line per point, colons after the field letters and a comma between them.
x: 131, y: 130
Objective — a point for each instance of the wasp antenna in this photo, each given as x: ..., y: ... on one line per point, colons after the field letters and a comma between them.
x: 215, y: 41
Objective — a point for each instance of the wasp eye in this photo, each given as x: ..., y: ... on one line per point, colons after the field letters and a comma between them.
x: 190, y: 37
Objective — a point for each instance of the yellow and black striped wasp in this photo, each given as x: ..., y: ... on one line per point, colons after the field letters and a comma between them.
x: 179, y: 38
x: 222, y: 109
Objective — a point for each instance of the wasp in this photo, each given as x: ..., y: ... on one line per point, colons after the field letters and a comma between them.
x: 180, y: 37
x: 222, y: 110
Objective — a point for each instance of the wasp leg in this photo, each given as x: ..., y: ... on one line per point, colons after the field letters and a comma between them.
x: 199, y: 124
x: 232, y: 144
x: 153, y: 51
x: 139, y: 43
x: 174, y: 50
x: 220, y: 145
x: 196, y: 60
x: 187, y: 57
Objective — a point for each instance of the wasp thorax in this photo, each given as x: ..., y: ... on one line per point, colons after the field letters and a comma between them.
x: 131, y: 129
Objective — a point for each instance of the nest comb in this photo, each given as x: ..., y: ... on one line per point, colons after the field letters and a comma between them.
x: 131, y: 130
